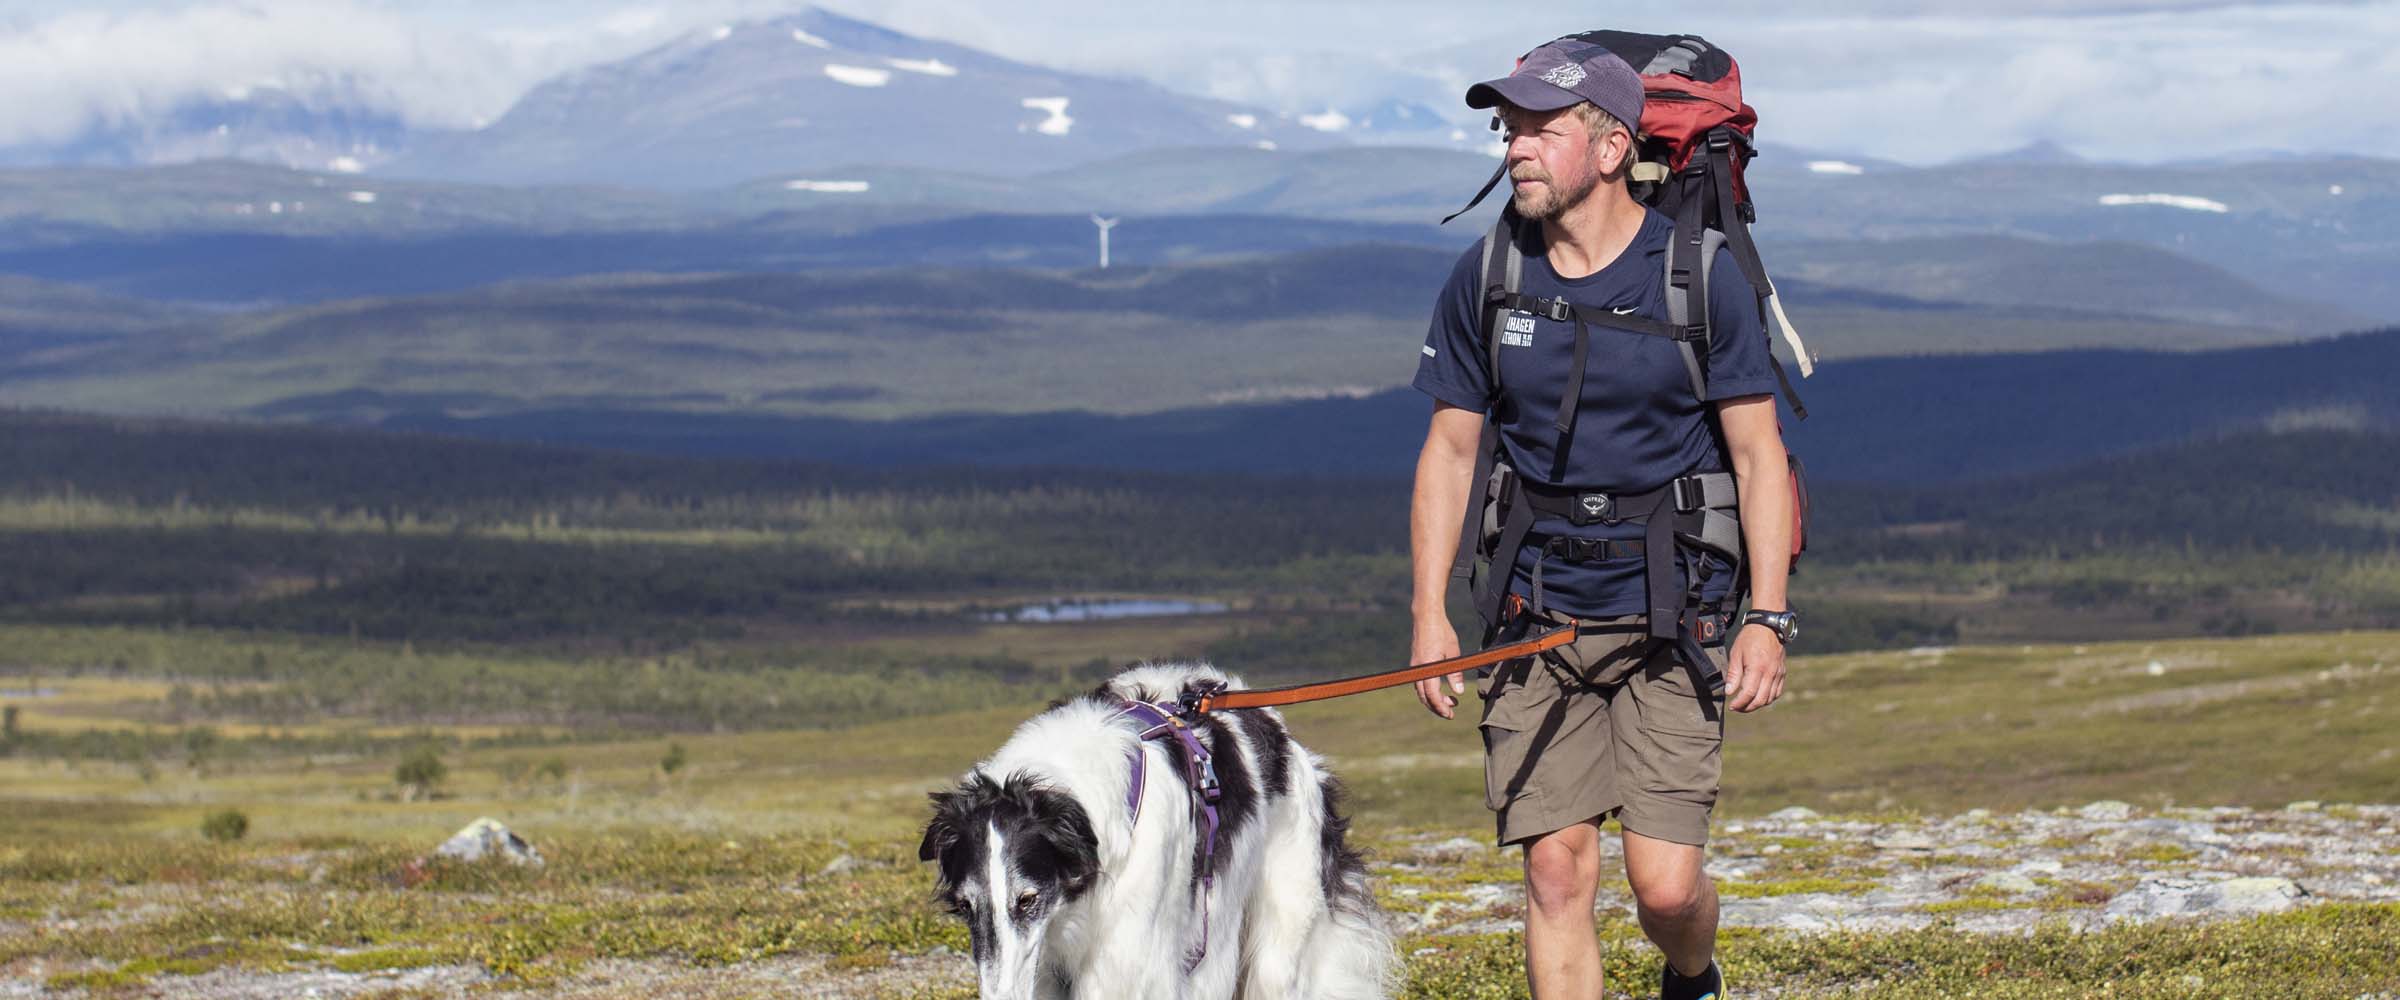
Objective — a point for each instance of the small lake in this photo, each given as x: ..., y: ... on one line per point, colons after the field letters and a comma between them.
x: 28, y: 692
x: 1103, y: 610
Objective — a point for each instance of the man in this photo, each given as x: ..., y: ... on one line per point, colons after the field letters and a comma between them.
x: 1620, y: 723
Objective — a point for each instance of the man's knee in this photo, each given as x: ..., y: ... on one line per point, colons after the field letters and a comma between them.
x: 1673, y: 898
x: 1562, y: 869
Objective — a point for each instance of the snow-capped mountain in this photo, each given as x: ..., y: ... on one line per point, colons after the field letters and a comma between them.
x: 820, y: 99
x: 317, y: 130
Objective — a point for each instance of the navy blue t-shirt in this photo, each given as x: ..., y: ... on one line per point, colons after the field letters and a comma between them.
x: 1638, y: 426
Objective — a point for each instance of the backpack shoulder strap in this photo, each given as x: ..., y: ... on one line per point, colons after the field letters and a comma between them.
x: 1503, y: 269
x: 1503, y: 273
x: 1687, y: 306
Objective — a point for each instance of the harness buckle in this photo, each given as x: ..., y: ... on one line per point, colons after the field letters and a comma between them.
x: 1685, y: 501
x: 1559, y: 310
x: 1209, y: 789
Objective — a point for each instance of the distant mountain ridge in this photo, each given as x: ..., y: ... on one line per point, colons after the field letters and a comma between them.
x: 934, y: 327
x: 324, y: 127
x: 1908, y: 421
x: 805, y: 98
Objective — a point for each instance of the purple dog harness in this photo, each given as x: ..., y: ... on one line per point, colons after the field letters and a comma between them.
x: 1175, y: 729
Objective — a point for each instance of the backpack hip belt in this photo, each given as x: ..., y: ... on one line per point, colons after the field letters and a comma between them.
x: 1700, y: 513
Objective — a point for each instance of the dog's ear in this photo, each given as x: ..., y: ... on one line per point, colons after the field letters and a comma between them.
x: 943, y: 830
x: 1074, y: 847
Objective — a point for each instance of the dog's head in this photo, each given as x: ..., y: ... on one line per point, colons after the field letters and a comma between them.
x: 1011, y: 853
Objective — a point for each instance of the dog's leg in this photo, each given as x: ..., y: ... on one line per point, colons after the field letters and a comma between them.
x: 1348, y: 955
x: 1289, y: 901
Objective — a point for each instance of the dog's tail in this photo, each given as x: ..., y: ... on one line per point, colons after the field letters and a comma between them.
x: 1349, y: 953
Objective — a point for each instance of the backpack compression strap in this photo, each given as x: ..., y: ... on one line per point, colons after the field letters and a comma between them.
x: 1719, y: 152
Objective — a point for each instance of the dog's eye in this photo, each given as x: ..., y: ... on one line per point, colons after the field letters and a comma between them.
x: 1026, y: 900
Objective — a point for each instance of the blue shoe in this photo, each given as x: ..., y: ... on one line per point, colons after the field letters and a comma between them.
x: 1708, y: 985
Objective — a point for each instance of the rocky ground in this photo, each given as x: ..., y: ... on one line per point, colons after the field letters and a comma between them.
x: 1794, y: 871
x: 1980, y: 871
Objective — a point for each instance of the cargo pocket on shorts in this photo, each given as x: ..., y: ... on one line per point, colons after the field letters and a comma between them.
x: 1510, y: 716
x: 1683, y: 761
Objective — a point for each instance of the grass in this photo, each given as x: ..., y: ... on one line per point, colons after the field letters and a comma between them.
x: 795, y: 843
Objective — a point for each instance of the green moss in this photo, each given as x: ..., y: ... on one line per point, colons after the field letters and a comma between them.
x: 1793, y: 887
x: 2165, y: 854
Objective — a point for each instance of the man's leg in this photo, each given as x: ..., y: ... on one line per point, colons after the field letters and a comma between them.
x: 1562, y: 876
x: 1675, y: 900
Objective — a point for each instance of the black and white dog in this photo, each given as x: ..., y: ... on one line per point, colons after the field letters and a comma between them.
x: 1072, y: 890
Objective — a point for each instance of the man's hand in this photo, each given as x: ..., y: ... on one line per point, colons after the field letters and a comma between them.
x: 1436, y: 640
x: 1753, y: 669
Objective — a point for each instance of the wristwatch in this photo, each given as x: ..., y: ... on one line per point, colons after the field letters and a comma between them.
x: 1785, y: 624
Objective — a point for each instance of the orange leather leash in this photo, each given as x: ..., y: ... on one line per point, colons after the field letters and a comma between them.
x: 1218, y: 701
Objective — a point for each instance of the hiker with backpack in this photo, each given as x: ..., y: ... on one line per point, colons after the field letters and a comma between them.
x: 1605, y: 452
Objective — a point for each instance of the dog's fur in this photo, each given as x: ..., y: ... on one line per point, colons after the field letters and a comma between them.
x: 1067, y: 897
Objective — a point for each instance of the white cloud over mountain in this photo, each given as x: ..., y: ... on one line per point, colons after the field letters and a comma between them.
x: 1919, y: 81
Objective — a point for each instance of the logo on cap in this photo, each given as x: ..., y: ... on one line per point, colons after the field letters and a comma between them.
x: 1564, y: 75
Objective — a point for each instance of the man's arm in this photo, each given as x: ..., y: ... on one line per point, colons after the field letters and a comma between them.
x: 1754, y: 664
x: 1436, y: 509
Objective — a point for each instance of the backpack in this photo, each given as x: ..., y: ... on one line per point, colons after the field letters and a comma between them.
x: 1690, y: 149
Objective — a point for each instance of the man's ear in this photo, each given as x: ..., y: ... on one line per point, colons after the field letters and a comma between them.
x: 1616, y: 152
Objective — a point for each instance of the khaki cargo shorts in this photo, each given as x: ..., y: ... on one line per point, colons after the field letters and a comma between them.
x: 1610, y: 725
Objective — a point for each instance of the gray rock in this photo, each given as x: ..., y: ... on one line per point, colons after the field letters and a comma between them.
x: 1793, y: 814
x: 2178, y: 897
x: 1904, y: 840
x: 841, y: 864
x: 2106, y: 811
x: 486, y: 837
x: 2008, y: 882
x: 1455, y: 847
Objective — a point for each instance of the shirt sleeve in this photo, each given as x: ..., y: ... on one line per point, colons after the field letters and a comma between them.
x: 1450, y: 365
x: 1740, y: 361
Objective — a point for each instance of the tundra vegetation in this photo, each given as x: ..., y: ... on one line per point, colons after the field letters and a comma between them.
x: 714, y: 694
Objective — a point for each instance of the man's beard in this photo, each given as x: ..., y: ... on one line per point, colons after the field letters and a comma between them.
x: 1548, y: 201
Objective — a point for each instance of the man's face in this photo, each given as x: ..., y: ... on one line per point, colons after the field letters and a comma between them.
x: 1553, y: 163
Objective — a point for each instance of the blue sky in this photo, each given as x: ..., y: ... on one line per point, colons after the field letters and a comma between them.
x: 1919, y: 81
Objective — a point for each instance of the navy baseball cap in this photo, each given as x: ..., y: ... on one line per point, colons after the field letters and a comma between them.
x: 1563, y: 72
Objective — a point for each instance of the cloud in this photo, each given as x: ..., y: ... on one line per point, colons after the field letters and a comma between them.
x: 1912, y: 80
x: 84, y: 67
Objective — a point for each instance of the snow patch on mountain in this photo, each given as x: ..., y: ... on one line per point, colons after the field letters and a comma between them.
x: 1243, y: 121
x: 929, y: 67
x: 1838, y: 167
x: 1058, y: 123
x: 805, y: 38
x: 2189, y: 203
x: 1330, y: 120
x: 858, y: 76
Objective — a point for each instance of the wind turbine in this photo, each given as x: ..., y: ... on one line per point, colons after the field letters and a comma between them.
x: 1105, y: 225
